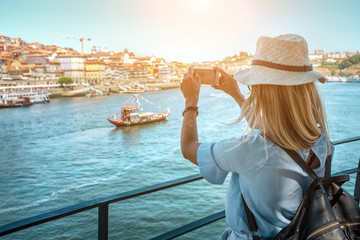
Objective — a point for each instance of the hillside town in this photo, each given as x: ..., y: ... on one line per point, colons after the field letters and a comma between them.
x: 27, y: 64
x: 23, y: 63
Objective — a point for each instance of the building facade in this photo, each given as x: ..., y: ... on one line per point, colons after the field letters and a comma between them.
x: 94, y: 71
x: 73, y: 67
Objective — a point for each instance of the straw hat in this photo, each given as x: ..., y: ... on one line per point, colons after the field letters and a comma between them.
x: 282, y: 60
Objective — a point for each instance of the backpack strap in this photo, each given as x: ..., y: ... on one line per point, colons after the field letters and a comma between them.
x: 251, y: 220
x: 306, y: 167
x: 296, y: 157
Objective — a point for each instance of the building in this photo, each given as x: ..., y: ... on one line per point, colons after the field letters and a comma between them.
x: 4, y: 40
x: 14, y: 74
x: 126, y: 57
x: 53, y: 71
x: 319, y: 52
x: 114, y: 73
x: 73, y: 66
x: 94, y: 71
x: 317, y: 55
x: 36, y: 45
x: 336, y: 56
x: 3, y: 68
x: 36, y: 59
x: 137, y: 73
x: 16, y: 41
x: 164, y: 73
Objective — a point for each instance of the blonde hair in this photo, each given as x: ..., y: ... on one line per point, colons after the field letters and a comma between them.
x: 289, y: 116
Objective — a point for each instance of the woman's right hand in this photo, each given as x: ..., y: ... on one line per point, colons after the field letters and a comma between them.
x: 229, y: 85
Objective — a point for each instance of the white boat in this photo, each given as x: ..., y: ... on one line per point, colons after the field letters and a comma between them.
x: 94, y: 92
x: 35, y: 97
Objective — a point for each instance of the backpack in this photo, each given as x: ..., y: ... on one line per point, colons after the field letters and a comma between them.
x: 326, y: 211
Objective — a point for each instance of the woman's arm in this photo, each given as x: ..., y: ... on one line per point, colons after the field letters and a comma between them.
x: 190, y: 87
x: 229, y: 85
x: 189, y: 137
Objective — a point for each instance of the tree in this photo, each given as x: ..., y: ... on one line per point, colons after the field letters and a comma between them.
x: 355, y: 59
x: 65, y: 80
x: 345, y: 64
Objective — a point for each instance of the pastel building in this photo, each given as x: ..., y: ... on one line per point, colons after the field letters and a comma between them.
x: 53, y: 71
x: 4, y: 40
x: 164, y: 72
x: 73, y: 66
x: 16, y: 41
x: 137, y: 74
x: 94, y: 71
x: 3, y: 68
x: 114, y: 73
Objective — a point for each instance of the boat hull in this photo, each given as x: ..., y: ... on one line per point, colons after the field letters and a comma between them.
x: 11, y: 105
x: 119, y: 123
x: 20, y: 102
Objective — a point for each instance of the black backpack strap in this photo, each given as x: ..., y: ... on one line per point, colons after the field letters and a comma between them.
x: 296, y: 157
x: 251, y: 220
x: 306, y: 167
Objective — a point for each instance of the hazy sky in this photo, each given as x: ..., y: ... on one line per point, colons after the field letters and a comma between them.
x: 182, y: 30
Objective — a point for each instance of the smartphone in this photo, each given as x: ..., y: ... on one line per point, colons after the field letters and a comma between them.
x: 208, y: 76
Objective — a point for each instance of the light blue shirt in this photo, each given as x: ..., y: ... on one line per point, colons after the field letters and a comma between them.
x: 271, y: 182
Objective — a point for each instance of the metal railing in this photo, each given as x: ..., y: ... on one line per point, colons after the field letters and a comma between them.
x: 103, y: 206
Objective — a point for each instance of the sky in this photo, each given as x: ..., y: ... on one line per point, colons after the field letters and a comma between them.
x: 182, y: 30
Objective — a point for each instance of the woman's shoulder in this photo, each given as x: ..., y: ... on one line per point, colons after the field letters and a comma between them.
x: 244, y: 153
x: 251, y: 141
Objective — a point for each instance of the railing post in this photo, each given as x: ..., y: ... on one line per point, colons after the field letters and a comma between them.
x: 328, y: 165
x: 103, y: 222
x: 357, y: 185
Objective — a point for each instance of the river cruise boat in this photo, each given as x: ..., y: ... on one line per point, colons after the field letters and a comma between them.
x: 35, y: 97
x: 130, y: 115
x: 19, y: 102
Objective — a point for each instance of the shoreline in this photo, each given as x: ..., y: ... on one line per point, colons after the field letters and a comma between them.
x: 81, y: 91
x: 76, y: 91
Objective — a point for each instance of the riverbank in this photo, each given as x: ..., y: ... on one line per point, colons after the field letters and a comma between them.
x: 81, y: 91
x: 342, y: 79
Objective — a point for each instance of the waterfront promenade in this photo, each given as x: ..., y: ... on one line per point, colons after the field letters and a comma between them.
x: 76, y: 90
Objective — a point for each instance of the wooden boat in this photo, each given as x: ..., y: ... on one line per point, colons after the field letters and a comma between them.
x: 130, y: 115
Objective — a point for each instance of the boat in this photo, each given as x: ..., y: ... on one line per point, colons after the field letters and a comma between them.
x: 94, y: 93
x: 19, y: 102
x: 137, y: 88
x: 35, y: 97
x: 130, y: 115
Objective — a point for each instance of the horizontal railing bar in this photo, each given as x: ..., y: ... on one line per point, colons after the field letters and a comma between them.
x: 215, y: 217
x: 70, y: 210
x: 191, y: 226
x: 67, y: 211
x: 349, y: 171
x: 347, y: 140
x: 43, y: 218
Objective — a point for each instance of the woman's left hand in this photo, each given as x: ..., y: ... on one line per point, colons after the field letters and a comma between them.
x: 190, y: 88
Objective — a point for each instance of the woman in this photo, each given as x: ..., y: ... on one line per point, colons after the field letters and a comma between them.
x: 284, y: 109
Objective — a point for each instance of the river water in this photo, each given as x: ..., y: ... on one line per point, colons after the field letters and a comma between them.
x: 64, y: 153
